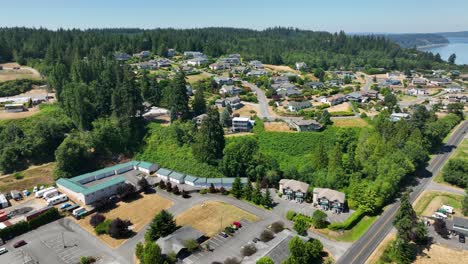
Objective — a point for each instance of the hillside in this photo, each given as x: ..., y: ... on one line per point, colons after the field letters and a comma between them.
x: 417, y: 40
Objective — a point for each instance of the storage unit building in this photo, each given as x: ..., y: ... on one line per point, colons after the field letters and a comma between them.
x: 163, y: 173
x: 176, y: 177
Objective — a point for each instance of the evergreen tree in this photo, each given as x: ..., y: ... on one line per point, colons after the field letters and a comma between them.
x: 209, y: 140
x: 257, y: 193
x: 452, y: 58
x: 267, y: 200
x: 149, y: 89
x: 199, y: 103
x: 225, y: 118
x: 247, y: 191
x: 178, y: 98
x: 407, y: 224
x: 236, y: 189
x: 229, y: 109
x: 162, y: 225
x: 325, y: 118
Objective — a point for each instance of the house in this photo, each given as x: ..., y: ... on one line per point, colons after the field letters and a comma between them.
x: 141, y: 55
x: 372, y: 94
x: 234, y: 102
x: 163, y: 173
x: 302, y: 125
x: 257, y: 73
x: 286, y: 92
x: 354, y: 96
x: 440, y: 81
x: 279, y: 79
x: 315, y: 85
x: 121, y: 56
x: 176, y: 242
x: 94, y: 186
x: 239, y: 69
x: 199, y: 119
x: 395, y: 117
x: 416, y: 92
x: 231, y: 60
x: 454, y: 89
x: 333, y: 100
x: 294, y: 190
x: 193, y: 54
x: 242, y: 124
x: 197, y: 61
x: 198, y: 182
x: 220, y: 103
x: 176, y: 177
x: 230, y: 90
x: 460, y: 225
x: 171, y: 52
x: 190, y: 180
x: 218, y: 66
x: 223, y: 81
x: 147, y: 65
x: 394, y: 74
x: 162, y: 63
x: 294, y: 106
x: 301, y: 66
x: 3, y: 201
x: 419, y: 81
x: 329, y: 199
x: 256, y: 64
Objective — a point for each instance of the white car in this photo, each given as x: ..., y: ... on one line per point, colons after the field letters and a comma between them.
x: 3, y: 251
x: 35, y: 189
x: 439, y: 215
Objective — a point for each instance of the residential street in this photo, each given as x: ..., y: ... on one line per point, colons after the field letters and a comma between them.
x: 363, y: 248
x: 262, y: 100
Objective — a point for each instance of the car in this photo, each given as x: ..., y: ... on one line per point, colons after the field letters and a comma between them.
x: 26, y: 193
x: 35, y: 189
x: 3, y: 251
x: 65, y: 205
x: 223, y: 234
x: 461, y: 238
x: 237, y: 224
x: 19, y: 244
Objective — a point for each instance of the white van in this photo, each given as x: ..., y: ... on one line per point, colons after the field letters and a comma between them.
x: 448, y: 209
x: 3, y: 251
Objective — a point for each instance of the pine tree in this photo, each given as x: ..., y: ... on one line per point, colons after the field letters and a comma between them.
x: 199, y: 103
x: 178, y: 98
x: 405, y: 218
x: 257, y: 194
x: 247, y: 191
x: 267, y: 200
x: 236, y: 189
x: 209, y: 140
x: 225, y: 118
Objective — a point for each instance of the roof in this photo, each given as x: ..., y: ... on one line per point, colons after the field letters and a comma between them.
x: 303, y: 103
x: 459, y: 221
x: 145, y: 164
x: 163, y: 172
x: 176, y: 241
x: 190, y: 178
x: 242, y: 119
x: 294, y: 185
x: 330, y: 194
x: 176, y: 175
x: 303, y: 122
x: 79, y: 188
x: 214, y: 180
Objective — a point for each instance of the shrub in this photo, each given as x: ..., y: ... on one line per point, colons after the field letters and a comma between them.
x: 125, y: 190
x: 96, y: 219
x: 441, y: 228
x: 18, y: 175
x: 119, y: 228
x: 203, y: 191
x: 266, y: 235
x: 363, y: 115
x: 319, y: 219
x: 248, y: 250
x: 349, y: 223
x: 277, y: 226
x: 185, y: 194
x: 168, y: 186
x: 144, y: 184
x: 229, y: 230
x: 191, y: 245
x: 301, y: 225
x: 103, y: 228
x: 231, y: 261
x: 212, y: 189
x: 175, y: 190
x: 162, y: 185
x: 223, y: 191
x: 87, y: 260
x: 290, y: 215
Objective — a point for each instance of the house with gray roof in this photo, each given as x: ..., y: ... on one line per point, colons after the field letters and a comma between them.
x: 230, y: 90
x: 294, y: 190
x: 302, y: 125
x: 175, y: 242
x: 329, y: 199
x: 295, y: 106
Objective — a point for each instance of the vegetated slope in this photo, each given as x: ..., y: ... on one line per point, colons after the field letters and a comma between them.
x: 11, y: 88
x: 417, y: 40
x: 461, y: 34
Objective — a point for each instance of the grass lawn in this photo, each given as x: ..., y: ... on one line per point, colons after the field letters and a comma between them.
x: 460, y: 152
x: 36, y: 175
x: 197, y: 77
x: 354, y: 233
x: 350, y: 122
x: 375, y: 256
x: 139, y: 212
x: 430, y: 201
x: 406, y: 98
x: 212, y: 217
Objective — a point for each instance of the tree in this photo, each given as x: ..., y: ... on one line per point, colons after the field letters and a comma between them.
x: 452, y: 58
x: 325, y: 118
x: 441, y: 228
x: 304, y: 252
x: 225, y: 118
x: 144, y: 185
x: 212, y: 188
x: 118, y: 228
x: 257, y: 193
x: 96, y: 219
x: 456, y: 108
x: 277, y: 226
x: 125, y: 190
x: 320, y: 74
x: 73, y: 156
x: 191, y: 245
x: 390, y: 101
x: 168, y: 186
x: 401, y: 252
x: 265, y: 260
x: 248, y: 250
x: 465, y: 203
x: 178, y: 98
x: 175, y: 190
x: 267, y: 200
x: 266, y: 235
x: 163, y: 224
x: 236, y: 189
x: 199, y: 103
x: 301, y: 226
x: 87, y: 260
x: 319, y: 219
x: 456, y: 172
x: 247, y: 191
x: 150, y: 253
x: 407, y: 224
x: 209, y: 140
x: 239, y: 157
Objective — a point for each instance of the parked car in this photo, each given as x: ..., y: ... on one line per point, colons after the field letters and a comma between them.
x: 35, y: 189
x: 223, y: 234
x: 3, y: 251
x: 65, y: 205
x: 26, y: 193
x: 237, y: 224
x: 461, y: 238
x: 19, y: 244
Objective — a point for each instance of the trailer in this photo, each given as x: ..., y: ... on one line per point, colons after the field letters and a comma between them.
x: 3, y: 201
x: 50, y: 194
x: 40, y: 193
x: 79, y: 212
x: 57, y: 199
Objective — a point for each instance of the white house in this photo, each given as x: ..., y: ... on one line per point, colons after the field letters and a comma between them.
x: 399, y: 116
x: 242, y: 124
x: 230, y: 90
x: 197, y: 61
x: 294, y: 106
x: 417, y: 92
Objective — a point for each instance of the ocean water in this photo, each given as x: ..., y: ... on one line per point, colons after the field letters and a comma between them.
x: 459, y: 46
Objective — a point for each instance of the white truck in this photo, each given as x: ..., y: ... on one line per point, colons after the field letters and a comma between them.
x: 50, y: 194
x: 447, y: 209
x: 57, y: 199
x: 40, y: 193
x: 79, y: 212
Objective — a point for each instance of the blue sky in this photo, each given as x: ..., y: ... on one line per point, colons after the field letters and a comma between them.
x: 347, y: 15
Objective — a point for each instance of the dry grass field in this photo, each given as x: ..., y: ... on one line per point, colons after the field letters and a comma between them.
x: 36, y: 175
x: 246, y: 110
x: 343, y: 107
x: 139, y: 212
x: 438, y: 254
x: 350, y: 122
x: 280, y: 68
x: 8, y: 74
x: 197, y: 77
x: 277, y: 127
x: 207, y: 217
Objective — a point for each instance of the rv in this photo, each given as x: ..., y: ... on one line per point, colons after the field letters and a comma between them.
x: 446, y: 209
x: 40, y: 193
x: 79, y: 212
x: 57, y: 199
x: 50, y: 194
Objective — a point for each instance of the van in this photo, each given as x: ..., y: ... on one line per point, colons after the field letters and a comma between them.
x: 3, y: 251
x: 447, y: 209
x: 79, y: 212
x: 57, y: 199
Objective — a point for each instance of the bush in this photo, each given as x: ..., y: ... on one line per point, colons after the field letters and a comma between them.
x: 277, y: 226
x: 87, y: 260
x: 162, y: 185
x: 349, y: 223
x: 248, y: 250
x: 212, y: 189
x: 144, y: 184
x: 102, y: 228
x: 266, y: 235
x: 290, y: 215
x: 169, y: 186
x: 191, y: 245
x: 50, y: 215
x: 125, y: 190
x: 203, y: 191
x: 175, y: 190
x: 18, y: 175
x: 319, y: 219
x: 223, y: 191
x: 185, y: 194
x: 96, y: 219
x: 229, y: 230
x: 363, y: 115
x: 231, y: 261
x: 301, y: 226
x: 118, y: 228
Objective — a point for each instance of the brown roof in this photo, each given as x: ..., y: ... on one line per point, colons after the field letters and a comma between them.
x: 330, y: 194
x: 294, y: 185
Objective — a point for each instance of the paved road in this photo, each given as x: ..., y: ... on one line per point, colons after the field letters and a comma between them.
x: 363, y: 248
x: 434, y: 186
x: 262, y: 100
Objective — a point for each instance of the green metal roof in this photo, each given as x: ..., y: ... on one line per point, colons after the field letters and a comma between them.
x: 144, y: 164
x: 176, y: 175
x: 190, y: 178
x: 104, y: 184
x: 164, y: 172
x: 74, y: 186
x: 228, y: 180
x: 213, y: 180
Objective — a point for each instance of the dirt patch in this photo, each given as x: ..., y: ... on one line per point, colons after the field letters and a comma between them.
x: 277, y: 127
x: 344, y: 107
x: 350, y: 122
x: 281, y: 68
x: 139, y: 212
x: 18, y: 115
x: 212, y: 217
x: 438, y: 254
x: 36, y: 175
x: 9, y: 74
x: 247, y: 110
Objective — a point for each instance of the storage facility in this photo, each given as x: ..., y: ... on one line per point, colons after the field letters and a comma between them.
x: 3, y: 201
x: 91, y: 187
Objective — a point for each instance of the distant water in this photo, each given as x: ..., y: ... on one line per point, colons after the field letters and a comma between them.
x: 459, y: 46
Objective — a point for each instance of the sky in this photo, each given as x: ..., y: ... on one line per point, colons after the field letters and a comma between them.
x: 378, y: 16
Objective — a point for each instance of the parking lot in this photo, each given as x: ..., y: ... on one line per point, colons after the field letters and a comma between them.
x: 22, y: 207
x: 56, y: 243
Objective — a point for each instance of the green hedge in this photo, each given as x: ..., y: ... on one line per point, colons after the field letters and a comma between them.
x: 342, y: 113
x: 349, y: 223
x: 15, y: 87
x: 22, y: 227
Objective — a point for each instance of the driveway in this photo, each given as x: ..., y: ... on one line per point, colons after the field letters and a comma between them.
x: 262, y: 100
